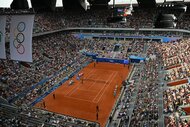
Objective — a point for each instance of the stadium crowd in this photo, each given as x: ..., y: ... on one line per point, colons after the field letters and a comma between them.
x: 144, y: 87
x: 20, y: 78
x: 176, y: 62
x: 53, y: 59
x: 16, y: 74
x: 40, y: 118
x: 98, y: 18
x: 174, y: 98
x: 49, y: 21
x: 145, y: 111
x: 57, y: 51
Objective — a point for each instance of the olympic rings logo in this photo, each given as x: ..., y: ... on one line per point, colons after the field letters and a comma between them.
x: 19, y: 38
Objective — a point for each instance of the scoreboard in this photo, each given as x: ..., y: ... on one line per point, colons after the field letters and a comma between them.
x: 121, y: 12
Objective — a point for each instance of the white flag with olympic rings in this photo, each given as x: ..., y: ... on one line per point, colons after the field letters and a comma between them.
x: 2, y: 36
x: 21, y: 37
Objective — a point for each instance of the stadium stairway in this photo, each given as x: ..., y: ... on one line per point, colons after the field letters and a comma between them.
x: 12, y: 112
x: 8, y: 111
x: 35, y: 121
x: 161, y: 76
x: 145, y: 48
x: 134, y: 96
x: 114, y: 55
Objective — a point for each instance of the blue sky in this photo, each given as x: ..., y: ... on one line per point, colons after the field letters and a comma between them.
x: 6, y: 3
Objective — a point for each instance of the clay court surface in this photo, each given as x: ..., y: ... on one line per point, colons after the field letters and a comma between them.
x: 80, y: 99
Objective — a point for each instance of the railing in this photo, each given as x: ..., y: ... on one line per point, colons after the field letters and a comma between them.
x: 117, y: 30
x: 13, y: 111
x: 3, y: 101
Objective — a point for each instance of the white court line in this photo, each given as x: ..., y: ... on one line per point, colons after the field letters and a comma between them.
x: 73, y: 90
x: 88, y: 90
x: 79, y: 99
x: 105, y: 88
x: 104, y: 70
x: 107, y: 71
x: 102, y: 87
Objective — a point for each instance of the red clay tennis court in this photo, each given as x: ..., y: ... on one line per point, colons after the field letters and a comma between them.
x: 81, y: 98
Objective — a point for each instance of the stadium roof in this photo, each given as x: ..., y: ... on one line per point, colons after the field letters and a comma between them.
x: 135, y: 1
x: 6, y: 3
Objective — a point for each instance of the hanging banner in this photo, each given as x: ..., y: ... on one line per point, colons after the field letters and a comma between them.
x: 21, y: 37
x: 2, y: 36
